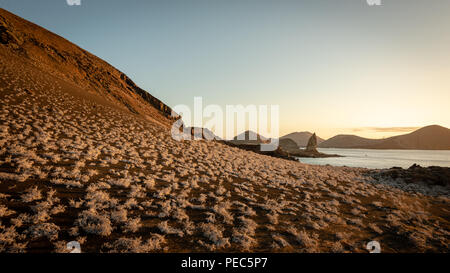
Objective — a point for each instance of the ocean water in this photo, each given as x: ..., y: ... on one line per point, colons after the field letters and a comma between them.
x: 379, y: 159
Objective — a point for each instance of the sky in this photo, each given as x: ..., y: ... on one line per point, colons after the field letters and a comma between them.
x: 332, y: 66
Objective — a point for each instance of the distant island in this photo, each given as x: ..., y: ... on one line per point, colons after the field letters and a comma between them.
x: 305, y: 144
x: 301, y: 138
x: 432, y: 137
x: 287, y: 148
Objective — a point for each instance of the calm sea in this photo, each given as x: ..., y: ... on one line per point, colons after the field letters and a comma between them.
x: 378, y: 159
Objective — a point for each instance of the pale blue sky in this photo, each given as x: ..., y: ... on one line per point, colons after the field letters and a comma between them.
x: 331, y: 65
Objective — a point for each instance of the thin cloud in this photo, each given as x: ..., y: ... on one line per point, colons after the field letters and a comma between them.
x: 385, y: 129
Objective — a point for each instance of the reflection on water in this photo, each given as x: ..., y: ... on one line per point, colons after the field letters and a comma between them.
x: 378, y: 159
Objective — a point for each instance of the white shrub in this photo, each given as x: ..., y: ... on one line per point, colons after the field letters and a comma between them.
x: 166, y: 229
x: 280, y: 241
x: 4, y: 211
x: 120, y: 215
x: 135, y: 245
x: 67, y: 183
x: 149, y: 183
x: 93, y: 223
x: 306, y: 241
x: 31, y: 194
x: 121, y: 182
x: 133, y: 225
x: 48, y: 230
x: 214, y: 234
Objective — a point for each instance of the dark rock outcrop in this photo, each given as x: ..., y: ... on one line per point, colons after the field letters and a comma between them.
x: 288, y: 145
x: 416, y: 174
x: 312, y: 144
x: 302, y: 138
x: 250, y: 137
x: 310, y: 151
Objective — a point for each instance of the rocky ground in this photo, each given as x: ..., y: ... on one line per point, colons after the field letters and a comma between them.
x: 73, y: 167
x: 416, y: 174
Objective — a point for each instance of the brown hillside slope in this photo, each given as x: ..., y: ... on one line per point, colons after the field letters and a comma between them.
x: 59, y: 57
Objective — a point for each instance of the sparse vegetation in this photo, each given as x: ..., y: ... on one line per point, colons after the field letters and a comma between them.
x: 77, y: 166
